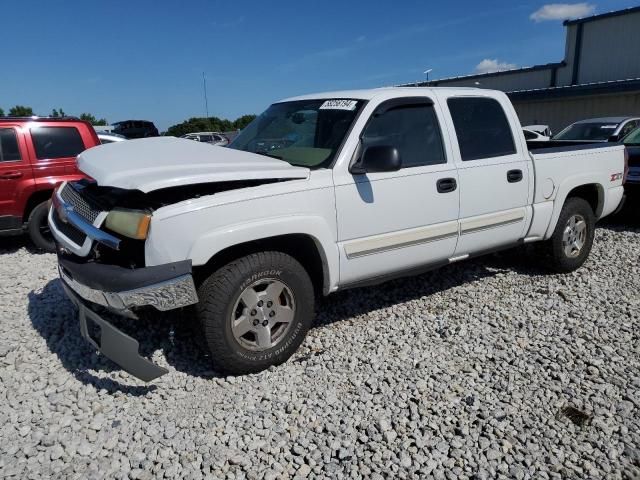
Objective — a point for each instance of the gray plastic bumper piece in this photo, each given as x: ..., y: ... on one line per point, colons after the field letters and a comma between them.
x: 112, y: 343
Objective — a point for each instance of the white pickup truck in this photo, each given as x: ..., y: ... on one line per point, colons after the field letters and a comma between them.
x: 320, y: 193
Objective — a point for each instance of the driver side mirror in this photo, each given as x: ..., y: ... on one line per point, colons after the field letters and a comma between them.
x: 378, y: 158
x: 614, y: 138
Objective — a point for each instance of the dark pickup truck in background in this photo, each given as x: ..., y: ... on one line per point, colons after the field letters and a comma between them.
x: 37, y: 155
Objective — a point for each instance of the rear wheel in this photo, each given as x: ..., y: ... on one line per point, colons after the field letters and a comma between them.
x: 572, y: 239
x: 38, y: 228
x: 255, y: 311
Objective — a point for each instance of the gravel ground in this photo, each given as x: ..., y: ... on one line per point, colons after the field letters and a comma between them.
x: 485, y: 369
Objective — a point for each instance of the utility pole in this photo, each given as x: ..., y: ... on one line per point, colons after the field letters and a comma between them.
x: 204, y: 88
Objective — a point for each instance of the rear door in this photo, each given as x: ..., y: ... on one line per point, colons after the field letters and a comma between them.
x: 15, y: 170
x: 493, y: 169
x: 55, y: 147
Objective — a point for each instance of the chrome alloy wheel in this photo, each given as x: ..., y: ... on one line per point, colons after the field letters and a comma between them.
x: 263, y: 314
x: 574, y: 236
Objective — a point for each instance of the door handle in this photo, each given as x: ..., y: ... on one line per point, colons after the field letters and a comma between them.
x: 10, y: 175
x: 514, y: 176
x: 446, y: 185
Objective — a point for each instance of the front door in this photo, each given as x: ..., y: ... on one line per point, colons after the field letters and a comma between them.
x: 394, y: 221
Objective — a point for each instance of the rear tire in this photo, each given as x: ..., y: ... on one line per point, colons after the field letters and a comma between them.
x: 571, y: 242
x: 38, y: 228
x: 255, y: 311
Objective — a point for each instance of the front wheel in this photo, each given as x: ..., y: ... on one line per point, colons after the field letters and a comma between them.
x: 572, y: 239
x: 255, y: 311
x: 38, y: 228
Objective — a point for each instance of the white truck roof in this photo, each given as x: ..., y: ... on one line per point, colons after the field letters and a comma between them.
x: 368, y: 94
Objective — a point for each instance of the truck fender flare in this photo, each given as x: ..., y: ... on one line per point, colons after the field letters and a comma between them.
x: 211, y: 243
x: 563, y: 192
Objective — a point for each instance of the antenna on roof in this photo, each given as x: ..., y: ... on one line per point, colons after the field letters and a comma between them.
x: 204, y: 88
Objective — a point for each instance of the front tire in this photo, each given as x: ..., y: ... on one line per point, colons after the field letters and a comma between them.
x: 255, y: 311
x: 38, y: 228
x: 572, y: 239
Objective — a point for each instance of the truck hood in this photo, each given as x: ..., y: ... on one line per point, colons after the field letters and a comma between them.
x: 153, y: 163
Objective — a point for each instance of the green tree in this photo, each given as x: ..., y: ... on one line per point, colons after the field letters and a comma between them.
x: 210, y: 124
x: 1, y: 112
x: 21, y: 111
x: 243, y: 121
x: 58, y: 113
x: 88, y: 117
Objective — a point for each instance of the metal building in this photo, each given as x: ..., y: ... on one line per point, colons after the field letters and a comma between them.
x: 599, y: 76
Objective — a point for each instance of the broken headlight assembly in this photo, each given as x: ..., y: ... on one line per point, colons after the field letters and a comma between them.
x: 130, y: 223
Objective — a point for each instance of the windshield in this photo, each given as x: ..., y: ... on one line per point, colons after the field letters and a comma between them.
x: 633, y: 138
x: 587, y: 131
x: 304, y: 133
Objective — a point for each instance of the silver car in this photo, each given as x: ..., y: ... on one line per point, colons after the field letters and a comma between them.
x: 214, y: 138
x: 602, y: 129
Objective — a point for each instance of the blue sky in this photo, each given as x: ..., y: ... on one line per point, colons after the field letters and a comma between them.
x: 144, y: 59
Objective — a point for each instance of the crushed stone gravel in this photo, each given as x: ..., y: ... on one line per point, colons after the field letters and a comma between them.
x: 486, y: 369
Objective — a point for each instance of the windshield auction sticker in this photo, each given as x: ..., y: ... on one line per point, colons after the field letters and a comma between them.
x: 339, y: 105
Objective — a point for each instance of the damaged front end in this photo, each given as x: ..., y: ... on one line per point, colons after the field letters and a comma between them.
x: 101, y: 266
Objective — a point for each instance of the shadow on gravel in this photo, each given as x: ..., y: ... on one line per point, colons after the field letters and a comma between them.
x: 360, y: 301
x: 14, y: 243
x: 177, y: 334
x: 628, y: 219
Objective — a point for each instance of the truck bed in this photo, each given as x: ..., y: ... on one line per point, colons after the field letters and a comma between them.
x: 564, y: 145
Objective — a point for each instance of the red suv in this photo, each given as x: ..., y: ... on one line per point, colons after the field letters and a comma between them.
x: 36, y: 155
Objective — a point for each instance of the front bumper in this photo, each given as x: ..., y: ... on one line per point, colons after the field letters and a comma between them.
x: 165, y: 287
x: 121, y: 290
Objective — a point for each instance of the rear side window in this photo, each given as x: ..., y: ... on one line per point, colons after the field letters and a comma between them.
x: 56, y: 142
x: 481, y: 127
x: 9, y: 151
x: 628, y: 128
x: 412, y: 129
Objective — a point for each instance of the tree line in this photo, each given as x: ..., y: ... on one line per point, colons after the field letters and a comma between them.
x: 194, y: 124
x: 209, y: 124
x: 22, y: 111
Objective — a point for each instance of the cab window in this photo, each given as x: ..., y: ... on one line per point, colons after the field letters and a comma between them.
x: 482, y: 128
x: 412, y: 129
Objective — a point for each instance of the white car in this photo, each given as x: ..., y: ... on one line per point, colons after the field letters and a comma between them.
x: 213, y: 138
x: 320, y: 193
x: 531, y: 135
x: 543, y: 130
x: 110, y: 137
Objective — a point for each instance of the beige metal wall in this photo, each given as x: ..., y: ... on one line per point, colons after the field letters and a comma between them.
x: 560, y: 112
x: 506, y: 81
x: 610, y: 49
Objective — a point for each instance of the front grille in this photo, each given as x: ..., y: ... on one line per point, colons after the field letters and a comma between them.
x: 68, y: 230
x: 81, y: 205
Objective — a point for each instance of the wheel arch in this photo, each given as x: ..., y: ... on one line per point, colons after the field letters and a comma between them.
x: 592, y: 192
x: 305, y: 248
x: 35, y: 199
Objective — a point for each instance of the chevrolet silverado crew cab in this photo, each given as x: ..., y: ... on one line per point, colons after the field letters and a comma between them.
x: 318, y: 194
x: 36, y: 155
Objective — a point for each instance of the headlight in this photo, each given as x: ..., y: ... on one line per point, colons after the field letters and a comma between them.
x: 130, y: 223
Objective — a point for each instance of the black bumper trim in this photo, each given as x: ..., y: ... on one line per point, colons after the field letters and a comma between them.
x: 114, y: 344
x: 111, y: 278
